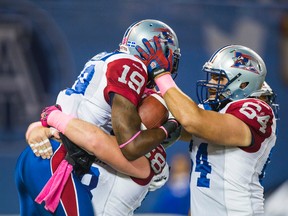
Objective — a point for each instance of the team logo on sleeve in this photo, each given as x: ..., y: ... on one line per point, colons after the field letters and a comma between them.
x: 244, y: 62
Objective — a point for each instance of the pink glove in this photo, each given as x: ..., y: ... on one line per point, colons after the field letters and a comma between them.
x: 46, y: 112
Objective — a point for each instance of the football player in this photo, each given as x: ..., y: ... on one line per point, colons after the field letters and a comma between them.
x: 231, y: 132
x: 106, y: 94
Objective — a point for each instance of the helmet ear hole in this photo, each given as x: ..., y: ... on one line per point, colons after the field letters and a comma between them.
x: 243, y: 85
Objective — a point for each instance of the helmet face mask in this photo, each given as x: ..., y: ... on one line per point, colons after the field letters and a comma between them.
x: 244, y: 70
x: 148, y: 29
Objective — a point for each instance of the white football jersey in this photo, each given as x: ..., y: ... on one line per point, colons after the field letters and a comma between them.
x: 226, y: 181
x: 89, y: 99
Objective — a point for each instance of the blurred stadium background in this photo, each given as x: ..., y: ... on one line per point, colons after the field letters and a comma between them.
x: 45, y: 43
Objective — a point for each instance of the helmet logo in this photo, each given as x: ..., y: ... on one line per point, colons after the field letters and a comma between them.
x: 167, y: 35
x: 244, y: 62
x: 128, y: 43
x: 153, y: 64
x: 131, y: 44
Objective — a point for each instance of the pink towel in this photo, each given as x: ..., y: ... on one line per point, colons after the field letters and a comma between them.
x: 52, y: 191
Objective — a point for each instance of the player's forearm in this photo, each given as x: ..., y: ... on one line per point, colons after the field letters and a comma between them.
x: 183, y: 109
x: 93, y: 140
x: 195, y: 120
x: 134, y: 142
x: 146, y: 141
x: 104, y: 147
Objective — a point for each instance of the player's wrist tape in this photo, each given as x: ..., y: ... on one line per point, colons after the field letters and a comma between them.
x: 164, y: 83
x: 59, y: 120
x: 130, y: 140
x: 31, y: 127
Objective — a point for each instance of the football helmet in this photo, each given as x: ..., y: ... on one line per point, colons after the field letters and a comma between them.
x: 244, y: 69
x: 269, y: 96
x: 148, y: 29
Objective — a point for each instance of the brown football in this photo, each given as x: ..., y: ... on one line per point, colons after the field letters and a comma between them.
x: 152, y: 110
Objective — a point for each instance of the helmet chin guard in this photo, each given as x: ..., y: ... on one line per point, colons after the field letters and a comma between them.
x: 148, y: 29
x: 244, y: 69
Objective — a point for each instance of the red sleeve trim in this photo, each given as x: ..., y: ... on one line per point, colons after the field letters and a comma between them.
x: 145, y: 181
x: 127, y: 77
x: 258, y: 116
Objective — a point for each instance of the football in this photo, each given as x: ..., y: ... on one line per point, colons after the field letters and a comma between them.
x: 153, y: 111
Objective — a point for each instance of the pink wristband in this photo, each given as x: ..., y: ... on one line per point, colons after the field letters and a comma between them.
x: 164, y: 83
x: 31, y: 127
x: 59, y: 120
x: 132, y: 138
x: 165, y: 131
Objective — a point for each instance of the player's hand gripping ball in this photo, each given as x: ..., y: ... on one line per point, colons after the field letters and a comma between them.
x: 152, y: 111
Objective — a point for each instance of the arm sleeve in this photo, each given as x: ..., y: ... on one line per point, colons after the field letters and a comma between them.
x: 259, y: 118
x: 127, y: 77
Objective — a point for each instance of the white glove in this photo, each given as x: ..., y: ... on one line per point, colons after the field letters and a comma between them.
x: 160, y: 179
